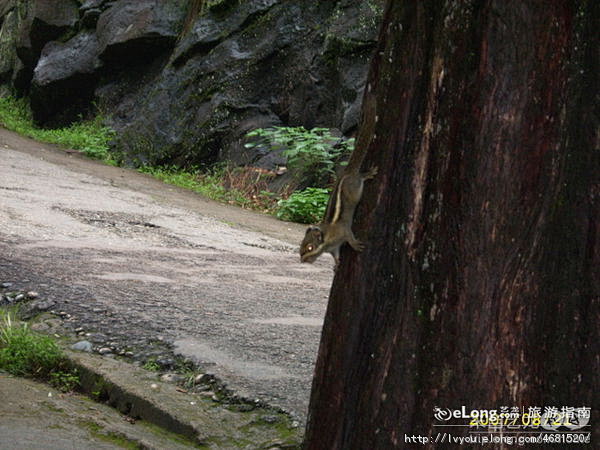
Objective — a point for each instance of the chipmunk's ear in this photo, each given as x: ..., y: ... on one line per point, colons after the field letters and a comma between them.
x: 315, y: 233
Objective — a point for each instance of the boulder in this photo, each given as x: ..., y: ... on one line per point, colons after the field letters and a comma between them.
x: 41, y: 21
x: 5, y: 7
x: 8, y: 37
x: 11, y: 13
x: 90, y: 11
x: 24, y: 48
x: 90, y: 17
x: 64, y: 79
x: 50, y: 20
x: 136, y: 32
x: 21, y: 78
x: 211, y: 29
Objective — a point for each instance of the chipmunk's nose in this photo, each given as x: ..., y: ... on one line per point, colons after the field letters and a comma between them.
x: 307, y: 258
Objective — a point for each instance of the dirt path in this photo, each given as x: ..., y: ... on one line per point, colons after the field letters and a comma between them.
x: 136, y: 263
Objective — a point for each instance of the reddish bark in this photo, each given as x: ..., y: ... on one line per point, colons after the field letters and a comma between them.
x: 479, y: 285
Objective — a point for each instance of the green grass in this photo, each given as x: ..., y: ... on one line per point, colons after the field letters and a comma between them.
x: 28, y: 354
x: 151, y: 365
x: 208, y: 184
x: 91, y: 137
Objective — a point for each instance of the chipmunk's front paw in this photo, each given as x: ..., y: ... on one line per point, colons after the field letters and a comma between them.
x: 371, y: 173
x: 357, y: 245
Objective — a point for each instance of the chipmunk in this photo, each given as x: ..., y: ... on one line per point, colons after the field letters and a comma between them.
x: 336, y: 227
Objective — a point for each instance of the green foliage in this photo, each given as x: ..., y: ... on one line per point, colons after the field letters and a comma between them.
x: 25, y: 353
x: 151, y: 365
x: 64, y: 381
x: 90, y: 136
x: 313, y: 154
x: 306, y: 206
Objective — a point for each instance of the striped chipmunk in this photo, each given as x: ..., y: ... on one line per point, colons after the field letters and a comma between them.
x: 336, y: 227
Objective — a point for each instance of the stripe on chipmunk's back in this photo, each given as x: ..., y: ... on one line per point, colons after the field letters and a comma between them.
x: 338, y: 202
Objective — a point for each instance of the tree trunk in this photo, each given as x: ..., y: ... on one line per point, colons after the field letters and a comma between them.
x: 479, y: 284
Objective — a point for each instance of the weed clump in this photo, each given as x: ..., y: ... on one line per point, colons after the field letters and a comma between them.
x: 28, y: 354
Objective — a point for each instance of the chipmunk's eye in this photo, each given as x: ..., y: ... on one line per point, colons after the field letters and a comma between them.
x: 309, y: 248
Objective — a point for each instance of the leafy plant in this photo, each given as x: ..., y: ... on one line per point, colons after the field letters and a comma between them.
x: 151, y: 365
x: 25, y: 353
x: 64, y: 381
x: 306, y: 206
x: 313, y: 153
x: 91, y: 136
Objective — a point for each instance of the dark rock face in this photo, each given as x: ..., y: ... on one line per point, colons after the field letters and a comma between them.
x: 12, y: 13
x: 59, y: 61
x: 65, y: 78
x: 190, y: 98
x: 262, y: 63
x: 50, y: 20
x: 40, y: 22
x: 210, y: 30
x: 45, y: 21
x: 8, y: 53
x: 138, y: 31
x: 90, y: 11
x: 5, y: 7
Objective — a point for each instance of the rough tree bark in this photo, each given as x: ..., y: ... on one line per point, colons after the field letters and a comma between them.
x: 479, y: 283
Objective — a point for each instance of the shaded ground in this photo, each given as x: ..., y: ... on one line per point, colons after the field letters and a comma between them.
x: 133, y: 263
x: 37, y: 416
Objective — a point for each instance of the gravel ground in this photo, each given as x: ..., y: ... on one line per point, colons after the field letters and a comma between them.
x: 142, y: 269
